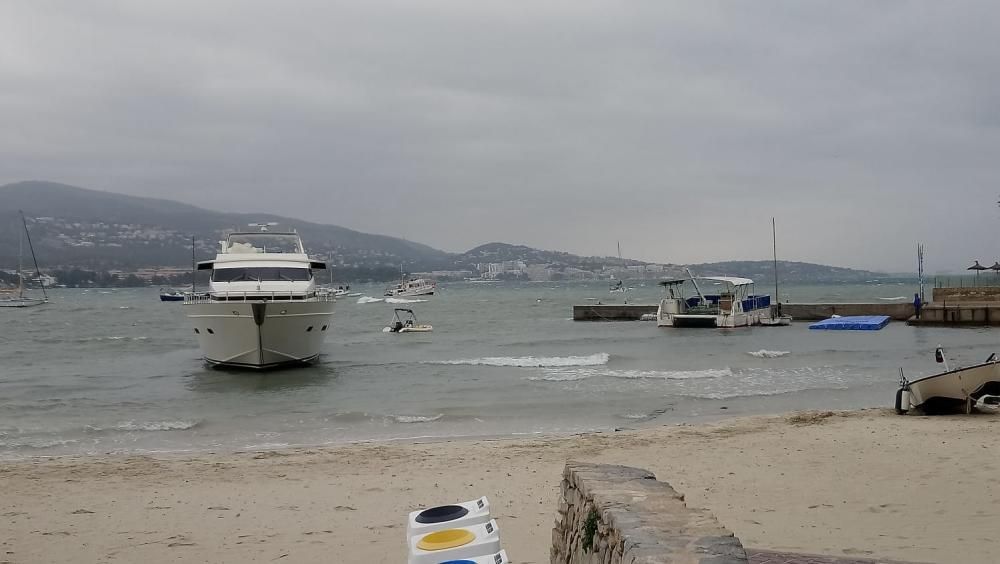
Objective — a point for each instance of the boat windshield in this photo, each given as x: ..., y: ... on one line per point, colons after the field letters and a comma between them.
x: 264, y: 243
x: 264, y: 274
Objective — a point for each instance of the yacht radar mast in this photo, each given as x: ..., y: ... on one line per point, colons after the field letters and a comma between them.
x: 263, y: 226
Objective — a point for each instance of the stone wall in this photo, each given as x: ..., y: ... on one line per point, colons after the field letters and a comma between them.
x: 980, y: 294
x: 622, y: 515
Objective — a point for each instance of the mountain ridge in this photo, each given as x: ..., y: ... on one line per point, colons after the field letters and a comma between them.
x: 94, y: 229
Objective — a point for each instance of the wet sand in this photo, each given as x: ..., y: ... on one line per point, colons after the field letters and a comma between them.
x: 860, y: 483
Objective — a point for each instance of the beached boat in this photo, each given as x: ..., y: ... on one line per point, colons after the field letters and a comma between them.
x: 407, y: 287
x: 18, y: 298
x: 950, y: 390
x: 734, y: 304
x: 262, y: 309
x: 406, y: 323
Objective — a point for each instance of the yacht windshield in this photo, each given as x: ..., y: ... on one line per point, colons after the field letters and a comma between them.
x: 267, y: 274
x: 264, y: 243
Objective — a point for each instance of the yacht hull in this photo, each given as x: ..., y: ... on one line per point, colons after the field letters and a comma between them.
x: 410, y: 293
x: 260, y: 334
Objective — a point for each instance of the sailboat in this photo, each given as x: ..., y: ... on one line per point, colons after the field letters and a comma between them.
x: 776, y: 319
x: 21, y: 300
x: 620, y: 285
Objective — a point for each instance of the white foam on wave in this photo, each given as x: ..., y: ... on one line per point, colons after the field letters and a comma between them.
x: 895, y: 299
x: 368, y: 300
x: 535, y: 362
x: 571, y: 374
x: 154, y: 425
x: 416, y: 418
x: 402, y: 301
x: 764, y: 353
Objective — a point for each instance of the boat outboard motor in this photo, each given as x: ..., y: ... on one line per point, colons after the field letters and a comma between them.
x: 939, y: 356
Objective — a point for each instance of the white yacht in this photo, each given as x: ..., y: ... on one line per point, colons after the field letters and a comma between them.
x: 733, y: 304
x: 407, y: 287
x: 262, y: 309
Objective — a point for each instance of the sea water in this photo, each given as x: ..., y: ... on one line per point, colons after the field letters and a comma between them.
x: 117, y: 371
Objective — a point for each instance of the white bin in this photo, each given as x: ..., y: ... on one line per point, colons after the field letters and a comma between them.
x: 480, y: 541
x: 465, y: 514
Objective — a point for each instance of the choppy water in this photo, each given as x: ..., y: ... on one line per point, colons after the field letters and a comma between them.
x: 100, y: 371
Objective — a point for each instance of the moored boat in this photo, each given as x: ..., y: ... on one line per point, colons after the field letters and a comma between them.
x: 408, y: 287
x: 263, y: 308
x: 171, y: 295
x: 19, y: 298
x: 734, y: 305
x: 406, y: 323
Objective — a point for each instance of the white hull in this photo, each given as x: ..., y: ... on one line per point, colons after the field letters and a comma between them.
x: 260, y: 334
x: 667, y: 318
x: 964, y: 385
x: 411, y: 293
x: 22, y: 302
x: 782, y: 321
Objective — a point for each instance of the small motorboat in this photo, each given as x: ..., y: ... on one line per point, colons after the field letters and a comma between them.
x: 171, y: 295
x: 951, y: 390
x: 406, y: 323
x: 776, y: 321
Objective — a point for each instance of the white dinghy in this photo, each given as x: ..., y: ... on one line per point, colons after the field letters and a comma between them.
x: 406, y: 323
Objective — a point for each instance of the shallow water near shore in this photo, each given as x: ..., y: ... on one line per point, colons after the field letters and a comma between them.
x: 118, y: 371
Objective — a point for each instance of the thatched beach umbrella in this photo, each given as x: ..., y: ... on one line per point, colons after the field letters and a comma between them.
x: 996, y: 267
x: 977, y: 267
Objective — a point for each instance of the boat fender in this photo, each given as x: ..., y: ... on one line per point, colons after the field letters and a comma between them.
x: 903, y: 401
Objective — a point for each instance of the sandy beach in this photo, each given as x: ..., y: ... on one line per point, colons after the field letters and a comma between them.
x: 859, y: 483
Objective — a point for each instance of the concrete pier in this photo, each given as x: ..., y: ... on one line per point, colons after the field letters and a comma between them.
x: 800, y: 312
x: 612, y: 312
x: 812, y: 312
x: 959, y: 314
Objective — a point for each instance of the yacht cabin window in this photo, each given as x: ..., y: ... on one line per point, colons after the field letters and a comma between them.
x: 264, y: 274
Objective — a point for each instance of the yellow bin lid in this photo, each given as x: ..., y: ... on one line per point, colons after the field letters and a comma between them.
x: 448, y: 538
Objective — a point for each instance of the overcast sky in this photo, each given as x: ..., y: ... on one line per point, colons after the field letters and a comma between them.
x: 678, y: 128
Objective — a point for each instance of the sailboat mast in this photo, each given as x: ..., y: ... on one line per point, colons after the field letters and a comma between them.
x: 774, y: 248
x: 20, y: 253
x: 194, y: 268
x: 38, y: 273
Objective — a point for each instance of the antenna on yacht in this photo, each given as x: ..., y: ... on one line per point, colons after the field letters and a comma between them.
x: 263, y: 226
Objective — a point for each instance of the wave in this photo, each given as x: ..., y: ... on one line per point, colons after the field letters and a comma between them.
x: 895, y: 299
x: 402, y: 301
x: 39, y: 443
x: 154, y: 425
x: 415, y: 418
x: 569, y: 374
x: 534, y: 362
x: 764, y: 353
x: 368, y: 300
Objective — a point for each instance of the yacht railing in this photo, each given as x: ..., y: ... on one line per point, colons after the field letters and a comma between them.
x: 257, y: 296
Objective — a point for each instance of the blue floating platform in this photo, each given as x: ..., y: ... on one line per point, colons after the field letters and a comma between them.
x: 853, y: 323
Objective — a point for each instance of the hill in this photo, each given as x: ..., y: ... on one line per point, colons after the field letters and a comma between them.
x: 762, y: 271
x: 75, y: 226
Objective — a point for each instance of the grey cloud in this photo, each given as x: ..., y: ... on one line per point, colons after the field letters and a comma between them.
x: 677, y: 128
